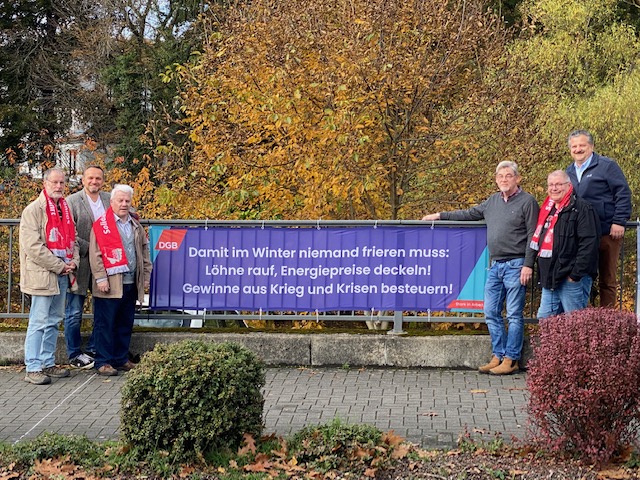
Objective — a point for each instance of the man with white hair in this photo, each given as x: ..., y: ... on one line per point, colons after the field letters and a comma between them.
x: 121, y: 269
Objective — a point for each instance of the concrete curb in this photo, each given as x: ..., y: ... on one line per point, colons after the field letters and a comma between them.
x: 446, y: 351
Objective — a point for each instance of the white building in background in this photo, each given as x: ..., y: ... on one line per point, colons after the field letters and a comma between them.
x: 71, y: 154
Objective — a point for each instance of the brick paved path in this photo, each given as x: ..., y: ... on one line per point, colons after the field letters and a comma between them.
x: 427, y: 406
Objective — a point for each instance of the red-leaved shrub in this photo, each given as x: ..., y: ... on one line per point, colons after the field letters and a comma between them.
x: 584, y: 383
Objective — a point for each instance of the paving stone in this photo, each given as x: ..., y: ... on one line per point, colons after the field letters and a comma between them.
x: 428, y: 406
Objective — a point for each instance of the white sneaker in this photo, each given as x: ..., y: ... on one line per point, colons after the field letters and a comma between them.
x: 82, y: 361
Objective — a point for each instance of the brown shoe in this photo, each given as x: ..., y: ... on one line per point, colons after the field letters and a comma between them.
x: 56, y: 372
x: 107, y: 371
x: 507, y: 367
x: 37, y: 378
x: 495, y: 361
x: 129, y: 365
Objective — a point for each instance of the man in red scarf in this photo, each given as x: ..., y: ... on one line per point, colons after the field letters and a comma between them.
x: 48, y: 259
x: 121, y: 269
x: 566, y: 244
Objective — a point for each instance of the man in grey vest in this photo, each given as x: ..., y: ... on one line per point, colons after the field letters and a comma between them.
x: 121, y: 268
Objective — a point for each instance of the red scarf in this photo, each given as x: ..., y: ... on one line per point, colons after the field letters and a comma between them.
x: 546, y: 248
x: 107, y: 234
x: 61, y: 232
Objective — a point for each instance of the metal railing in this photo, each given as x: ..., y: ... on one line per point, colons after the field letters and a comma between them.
x: 16, y: 303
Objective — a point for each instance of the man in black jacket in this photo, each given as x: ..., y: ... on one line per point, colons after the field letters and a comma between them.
x: 566, y: 243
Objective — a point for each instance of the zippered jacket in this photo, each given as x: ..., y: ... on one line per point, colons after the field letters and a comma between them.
x: 39, y: 267
x: 576, y: 239
x: 605, y: 187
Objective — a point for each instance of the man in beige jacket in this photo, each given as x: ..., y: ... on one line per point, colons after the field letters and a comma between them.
x: 121, y: 269
x: 48, y: 259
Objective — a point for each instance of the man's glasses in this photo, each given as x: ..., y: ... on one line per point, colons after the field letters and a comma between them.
x: 508, y: 176
x: 556, y: 185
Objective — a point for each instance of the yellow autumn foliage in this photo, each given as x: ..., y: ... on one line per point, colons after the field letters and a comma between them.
x: 344, y: 110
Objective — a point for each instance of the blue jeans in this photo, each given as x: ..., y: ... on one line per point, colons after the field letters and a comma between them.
x: 112, y: 327
x: 503, y: 283
x: 569, y: 296
x: 47, y: 311
x: 72, y: 325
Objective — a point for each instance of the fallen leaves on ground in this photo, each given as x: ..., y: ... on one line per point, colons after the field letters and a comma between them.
x: 510, y: 463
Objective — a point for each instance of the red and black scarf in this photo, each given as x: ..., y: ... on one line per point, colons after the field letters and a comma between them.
x: 545, y: 249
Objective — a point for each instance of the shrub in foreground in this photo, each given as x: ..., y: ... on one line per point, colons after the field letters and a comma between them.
x: 76, y: 449
x: 584, y: 383
x: 336, y: 445
x: 192, y: 397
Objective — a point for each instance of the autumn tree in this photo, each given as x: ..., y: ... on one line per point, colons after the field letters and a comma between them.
x: 579, y: 58
x: 89, y: 70
x: 572, y: 48
x: 38, y: 73
x: 360, y: 109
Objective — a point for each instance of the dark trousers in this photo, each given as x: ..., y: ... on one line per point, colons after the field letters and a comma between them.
x: 608, y: 270
x: 113, y: 324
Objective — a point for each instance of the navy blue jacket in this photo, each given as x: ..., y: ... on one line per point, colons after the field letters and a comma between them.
x: 605, y: 187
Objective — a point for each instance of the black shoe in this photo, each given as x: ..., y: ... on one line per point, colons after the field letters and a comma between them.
x: 82, y: 361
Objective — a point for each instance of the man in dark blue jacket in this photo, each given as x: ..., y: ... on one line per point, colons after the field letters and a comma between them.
x: 600, y: 181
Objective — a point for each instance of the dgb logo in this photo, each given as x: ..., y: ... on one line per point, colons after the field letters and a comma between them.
x: 170, y: 239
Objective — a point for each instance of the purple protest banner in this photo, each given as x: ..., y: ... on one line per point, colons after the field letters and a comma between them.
x: 309, y: 269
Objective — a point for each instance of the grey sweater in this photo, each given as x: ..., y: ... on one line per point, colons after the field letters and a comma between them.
x: 510, y: 225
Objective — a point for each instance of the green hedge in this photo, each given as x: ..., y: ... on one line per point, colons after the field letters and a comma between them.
x: 192, y: 397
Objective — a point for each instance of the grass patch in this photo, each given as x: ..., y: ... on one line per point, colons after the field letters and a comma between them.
x: 315, y: 452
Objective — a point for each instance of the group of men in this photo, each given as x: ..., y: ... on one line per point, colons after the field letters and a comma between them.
x: 575, y: 236
x: 90, y: 240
